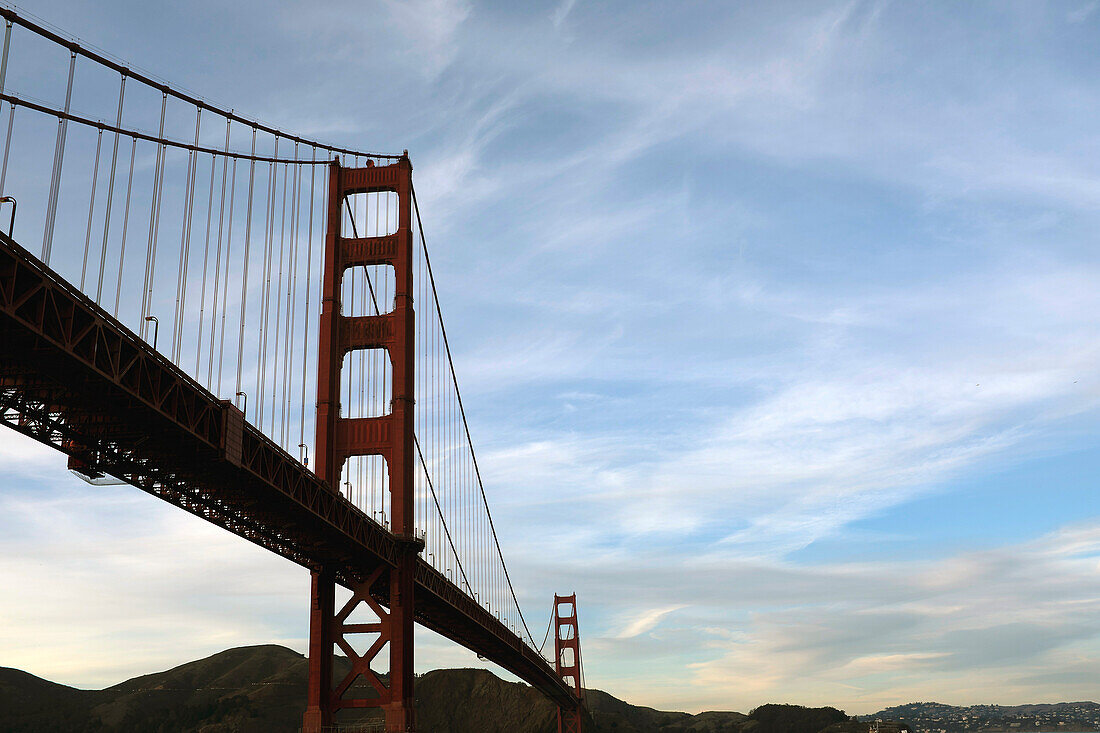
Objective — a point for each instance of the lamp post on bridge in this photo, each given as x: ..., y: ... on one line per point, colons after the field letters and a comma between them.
x: 11, y: 224
x: 156, y: 329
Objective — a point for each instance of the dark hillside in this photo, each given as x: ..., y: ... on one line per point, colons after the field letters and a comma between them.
x: 791, y: 719
x: 30, y: 704
x: 247, y: 689
x: 461, y: 700
x: 261, y: 689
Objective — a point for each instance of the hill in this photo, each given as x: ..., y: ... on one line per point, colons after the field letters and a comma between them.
x: 261, y: 689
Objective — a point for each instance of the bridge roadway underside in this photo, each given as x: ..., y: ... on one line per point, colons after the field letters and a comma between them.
x: 76, y: 379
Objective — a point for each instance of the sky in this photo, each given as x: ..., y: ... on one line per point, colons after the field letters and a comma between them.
x: 776, y: 325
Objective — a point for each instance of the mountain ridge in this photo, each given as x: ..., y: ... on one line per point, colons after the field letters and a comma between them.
x: 260, y: 689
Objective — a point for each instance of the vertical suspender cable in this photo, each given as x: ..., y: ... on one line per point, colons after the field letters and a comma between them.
x: 291, y: 300
x: 421, y: 383
x: 58, y: 161
x: 292, y: 282
x: 288, y: 317
x: 366, y: 464
x: 322, y: 233
x: 7, y: 149
x: 205, y: 261
x: 368, y: 373
x: 376, y: 385
x: 265, y: 262
x: 154, y: 213
x: 91, y: 206
x: 348, y: 403
x: 156, y: 218
x: 278, y: 306
x: 110, y: 192
x: 350, y: 305
x: 385, y: 396
x: 269, y: 228
x: 244, y: 274
x: 185, y: 244
x: 4, y: 55
x: 278, y: 301
x: 228, y: 263
x: 460, y: 494
x: 11, y: 117
x: 309, y: 290
x: 424, y: 403
x: 435, y: 423
x: 125, y: 224
x: 361, y: 372
x: 217, y: 261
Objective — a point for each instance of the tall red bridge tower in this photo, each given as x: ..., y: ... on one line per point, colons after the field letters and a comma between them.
x: 567, y: 660
x: 387, y: 592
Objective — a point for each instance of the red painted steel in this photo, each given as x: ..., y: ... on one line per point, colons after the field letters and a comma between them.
x: 567, y: 661
x: 388, y: 593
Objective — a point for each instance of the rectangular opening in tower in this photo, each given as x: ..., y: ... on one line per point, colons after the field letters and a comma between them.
x: 372, y: 214
x: 365, y: 482
x: 367, y: 291
x: 366, y: 383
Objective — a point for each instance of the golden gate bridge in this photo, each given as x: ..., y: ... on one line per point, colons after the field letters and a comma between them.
x: 245, y: 323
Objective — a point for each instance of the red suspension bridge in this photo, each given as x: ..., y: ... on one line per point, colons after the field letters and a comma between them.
x: 245, y: 323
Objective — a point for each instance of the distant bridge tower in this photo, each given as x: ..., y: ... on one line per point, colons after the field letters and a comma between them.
x: 567, y: 660
x: 387, y: 591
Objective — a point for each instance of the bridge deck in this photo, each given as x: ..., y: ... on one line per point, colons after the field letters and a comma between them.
x: 74, y: 378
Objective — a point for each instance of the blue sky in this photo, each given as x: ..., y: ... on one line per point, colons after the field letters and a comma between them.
x: 776, y: 324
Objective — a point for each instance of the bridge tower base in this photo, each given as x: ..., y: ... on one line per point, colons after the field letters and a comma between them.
x: 567, y: 660
x: 388, y: 590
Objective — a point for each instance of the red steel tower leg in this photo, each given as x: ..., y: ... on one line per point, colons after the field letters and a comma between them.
x: 567, y: 659
x: 390, y: 436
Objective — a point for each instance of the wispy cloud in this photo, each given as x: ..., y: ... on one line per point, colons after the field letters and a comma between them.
x: 562, y: 12
x: 646, y: 621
